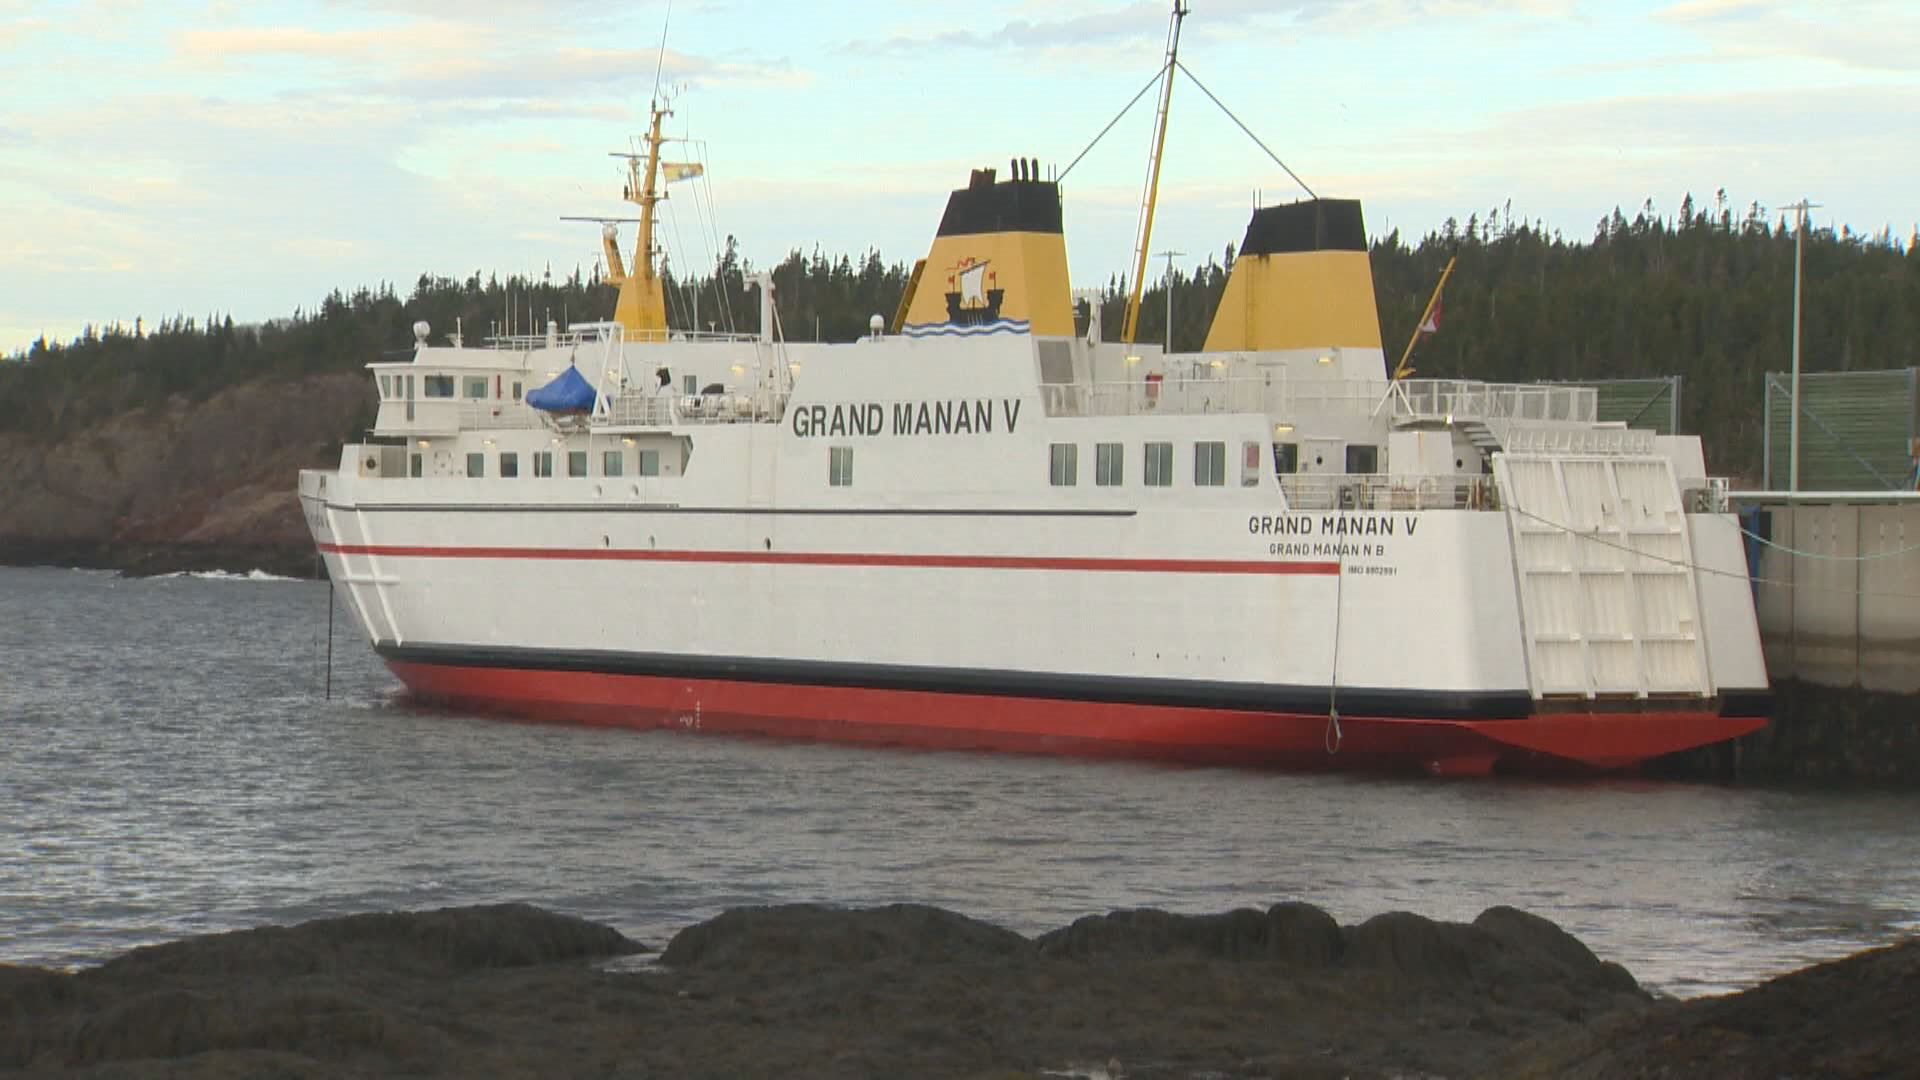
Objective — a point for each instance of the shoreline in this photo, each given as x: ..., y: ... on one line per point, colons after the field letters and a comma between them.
x: 154, y: 560
x: 808, y: 990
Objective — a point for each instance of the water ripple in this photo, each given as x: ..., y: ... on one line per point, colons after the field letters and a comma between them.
x: 168, y: 767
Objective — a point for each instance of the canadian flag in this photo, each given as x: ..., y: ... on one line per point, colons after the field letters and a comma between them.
x: 1432, y: 325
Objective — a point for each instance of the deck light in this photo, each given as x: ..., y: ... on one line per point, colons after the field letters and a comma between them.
x: 1283, y: 429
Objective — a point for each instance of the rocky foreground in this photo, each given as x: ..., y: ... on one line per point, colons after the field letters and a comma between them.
x: 806, y: 991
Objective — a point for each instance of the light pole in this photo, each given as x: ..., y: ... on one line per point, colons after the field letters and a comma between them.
x: 1169, y: 256
x: 1793, y: 417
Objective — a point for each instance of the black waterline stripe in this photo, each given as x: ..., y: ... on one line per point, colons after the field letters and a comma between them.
x: 1106, y: 689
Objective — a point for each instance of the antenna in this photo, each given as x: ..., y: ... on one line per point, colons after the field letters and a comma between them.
x: 660, y: 60
x: 1169, y: 255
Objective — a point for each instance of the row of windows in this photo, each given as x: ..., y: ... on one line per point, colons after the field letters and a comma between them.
x: 612, y: 463
x: 1109, y: 468
x: 472, y: 387
x: 1109, y: 463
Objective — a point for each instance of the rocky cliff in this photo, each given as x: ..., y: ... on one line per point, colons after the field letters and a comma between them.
x: 187, y: 485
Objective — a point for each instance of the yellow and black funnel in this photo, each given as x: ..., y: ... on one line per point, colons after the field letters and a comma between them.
x: 998, y: 263
x: 1301, y: 280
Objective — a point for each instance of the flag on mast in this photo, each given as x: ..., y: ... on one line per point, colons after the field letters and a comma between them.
x: 1432, y: 325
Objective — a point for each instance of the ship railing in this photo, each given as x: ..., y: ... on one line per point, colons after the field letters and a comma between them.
x: 1146, y: 397
x: 1271, y: 393
x: 1339, y: 397
x: 603, y: 333
x: 1456, y: 400
x: 1386, y: 491
x: 637, y: 409
x: 1611, y: 439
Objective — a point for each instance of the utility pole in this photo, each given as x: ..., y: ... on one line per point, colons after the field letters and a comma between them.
x: 1169, y: 256
x: 1793, y: 418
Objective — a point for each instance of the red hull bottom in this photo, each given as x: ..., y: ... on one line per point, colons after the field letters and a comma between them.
x: 1557, y: 742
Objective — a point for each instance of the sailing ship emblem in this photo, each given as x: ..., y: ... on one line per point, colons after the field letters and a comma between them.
x: 972, y: 299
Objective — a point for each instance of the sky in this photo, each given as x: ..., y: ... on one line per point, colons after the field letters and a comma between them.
x: 176, y: 157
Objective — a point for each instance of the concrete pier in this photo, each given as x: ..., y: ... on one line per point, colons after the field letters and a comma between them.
x: 1836, y: 582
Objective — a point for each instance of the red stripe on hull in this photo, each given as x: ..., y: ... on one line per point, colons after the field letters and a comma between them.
x: 832, y: 558
x: 1548, y: 743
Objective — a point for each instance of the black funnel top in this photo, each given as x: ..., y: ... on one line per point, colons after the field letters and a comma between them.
x: 1009, y: 206
x: 1313, y: 225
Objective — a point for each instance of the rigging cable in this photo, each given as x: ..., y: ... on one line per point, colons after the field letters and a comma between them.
x: 1151, y: 83
x: 1697, y: 568
x: 708, y: 221
x: 1910, y: 548
x: 1333, y: 736
x: 1249, y: 131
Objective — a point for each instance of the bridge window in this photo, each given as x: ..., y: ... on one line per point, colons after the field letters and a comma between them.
x: 613, y: 463
x: 476, y: 464
x: 840, y: 466
x: 576, y: 463
x: 1064, y: 467
x: 386, y: 386
x: 1107, y: 459
x: 438, y: 386
x: 543, y: 463
x: 509, y: 464
x: 475, y: 387
x: 1209, y: 464
x: 1159, y: 464
x: 649, y: 463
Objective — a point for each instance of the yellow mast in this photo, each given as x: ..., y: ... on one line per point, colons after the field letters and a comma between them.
x: 1402, y: 370
x: 642, y: 306
x: 1132, y: 321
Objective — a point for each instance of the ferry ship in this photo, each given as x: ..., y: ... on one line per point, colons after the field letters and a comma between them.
x: 982, y: 527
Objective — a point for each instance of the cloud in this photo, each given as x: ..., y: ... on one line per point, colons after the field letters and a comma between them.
x: 1704, y: 10
x: 1145, y: 22
x: 15, y: 31
x: 1870, y: 35
x: 270, y: 41
x: 464, y: 60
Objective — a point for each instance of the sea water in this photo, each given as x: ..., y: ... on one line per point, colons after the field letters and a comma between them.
x: 170, y: 765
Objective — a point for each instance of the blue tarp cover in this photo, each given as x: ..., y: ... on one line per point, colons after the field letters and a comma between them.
x: 568, y: 393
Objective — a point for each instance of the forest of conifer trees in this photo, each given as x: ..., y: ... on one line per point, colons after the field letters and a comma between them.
x: 1705, y: 294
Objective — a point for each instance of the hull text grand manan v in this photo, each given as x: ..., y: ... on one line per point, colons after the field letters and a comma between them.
x: 984, y: 529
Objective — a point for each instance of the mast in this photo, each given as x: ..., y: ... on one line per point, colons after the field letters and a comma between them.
x: 642, y: 306
x: 1144, y: 237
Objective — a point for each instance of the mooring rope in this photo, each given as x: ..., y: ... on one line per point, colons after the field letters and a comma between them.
x: 1697, y: 568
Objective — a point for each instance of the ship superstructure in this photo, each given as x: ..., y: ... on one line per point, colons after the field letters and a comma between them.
x: 979, y: 527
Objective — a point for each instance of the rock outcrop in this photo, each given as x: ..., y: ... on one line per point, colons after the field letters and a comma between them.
x: 186, y: 486
x: 909, y: 990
